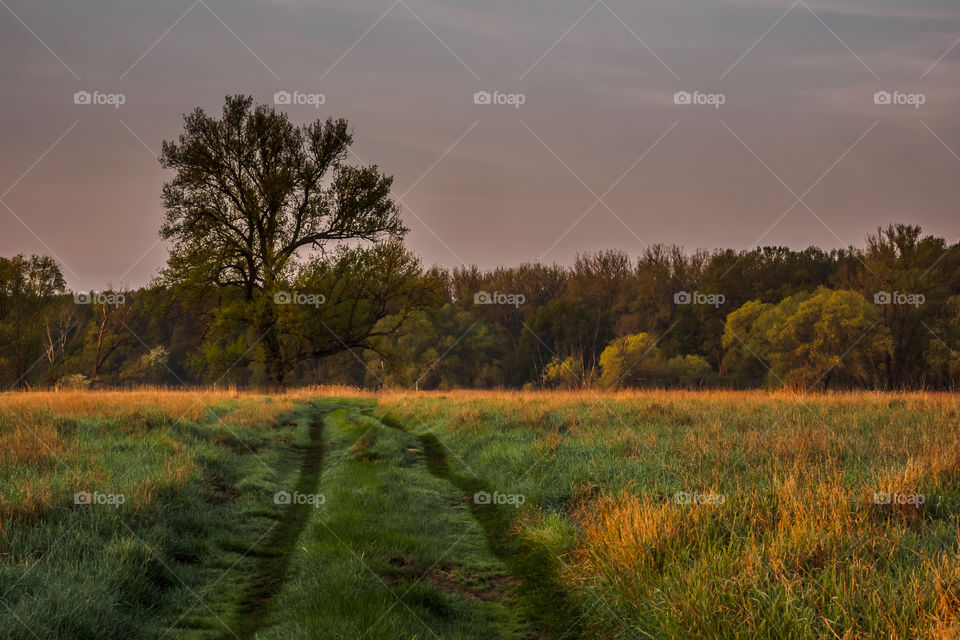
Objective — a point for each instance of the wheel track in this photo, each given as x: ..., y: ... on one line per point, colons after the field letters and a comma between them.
x: 543, y: 600
x: 274, y: 556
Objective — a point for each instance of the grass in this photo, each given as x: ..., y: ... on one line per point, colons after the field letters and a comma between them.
x: 152, y: 566
x: 393, y: 551
x: 782, y: 535
x: 798, y: 549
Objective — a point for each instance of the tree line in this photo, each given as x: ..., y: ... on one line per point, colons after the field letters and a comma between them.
x: 287, y: 266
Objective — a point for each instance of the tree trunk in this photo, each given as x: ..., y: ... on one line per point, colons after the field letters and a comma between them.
x: 272, y: 353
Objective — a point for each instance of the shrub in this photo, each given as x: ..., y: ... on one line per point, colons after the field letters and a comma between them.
x: 563, y: 374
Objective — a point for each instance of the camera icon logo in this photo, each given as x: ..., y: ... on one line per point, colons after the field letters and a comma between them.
x: 282, y: 297
x: 83, y: 497
x: 282, y: 97
x: 682, y: 297
x: 482, y: 297
x: 882, y: 97
x: 482, y: 497
x: 82, y: 297
x: 281, y: 497
x: 881, y: 497
x: 82, y: 97
x: 682, y: 497
x: 882, y: 297
x: 682, y: 97
x: 482, y: 97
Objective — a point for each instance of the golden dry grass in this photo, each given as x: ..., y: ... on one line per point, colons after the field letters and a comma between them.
x: 24, y: 444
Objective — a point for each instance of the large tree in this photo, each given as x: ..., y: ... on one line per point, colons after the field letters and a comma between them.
x: 899, y: 259
x: 252, y: 191
x: 810, y: 340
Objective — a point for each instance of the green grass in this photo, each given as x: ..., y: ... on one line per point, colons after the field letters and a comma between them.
x: 173, y: 560
x: 394, y: 551
x: 798, y: 550
x: 399, y: 548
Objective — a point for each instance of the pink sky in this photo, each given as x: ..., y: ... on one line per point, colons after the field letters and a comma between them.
x: 597, y: 156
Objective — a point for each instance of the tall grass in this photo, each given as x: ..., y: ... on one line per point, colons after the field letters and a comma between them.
x: 802, y: 544
x: 799, y: 546
x: 185, y: 502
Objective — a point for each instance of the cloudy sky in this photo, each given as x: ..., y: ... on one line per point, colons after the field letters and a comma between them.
x: 786, y: 146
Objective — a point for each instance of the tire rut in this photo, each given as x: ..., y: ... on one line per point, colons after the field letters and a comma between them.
x: 544, y: 603
x: 274, y: 556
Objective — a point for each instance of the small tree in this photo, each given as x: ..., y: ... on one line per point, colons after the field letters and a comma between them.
x: 688, y: 371
x: 631, y: 361
x: 563, y: 374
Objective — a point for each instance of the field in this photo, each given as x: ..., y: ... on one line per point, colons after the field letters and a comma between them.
x: 331, y: 513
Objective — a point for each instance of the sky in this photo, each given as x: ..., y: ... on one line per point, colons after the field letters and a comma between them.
x: 610, y: 124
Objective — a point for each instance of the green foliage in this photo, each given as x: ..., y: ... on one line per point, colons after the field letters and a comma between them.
x: 34, y: 324
x: 360, y: 295
x: 442, y: 349
x: 385, y: 319
x: 942, y: 357
x: 900, y: 259
x: 811, y: 340
x: 563, y: 374
x: 690, y: 371
x: 251, y: 192
x: 252, y: 189
x: 558, y: 329
x: 631, y: 361
x: 73, y: 381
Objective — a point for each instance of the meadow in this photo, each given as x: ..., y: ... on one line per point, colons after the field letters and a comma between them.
x: 336, y: 513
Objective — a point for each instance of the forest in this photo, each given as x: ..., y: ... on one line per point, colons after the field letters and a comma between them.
x: 883, y: 317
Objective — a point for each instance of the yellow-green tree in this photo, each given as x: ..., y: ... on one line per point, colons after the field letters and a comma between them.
x: 563, y: 374
x: 832, y: 337
x: 631, y: 361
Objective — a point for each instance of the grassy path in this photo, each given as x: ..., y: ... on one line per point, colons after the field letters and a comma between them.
x: 273, y: 558
x: 542, y: 600
x: 395, y: 550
